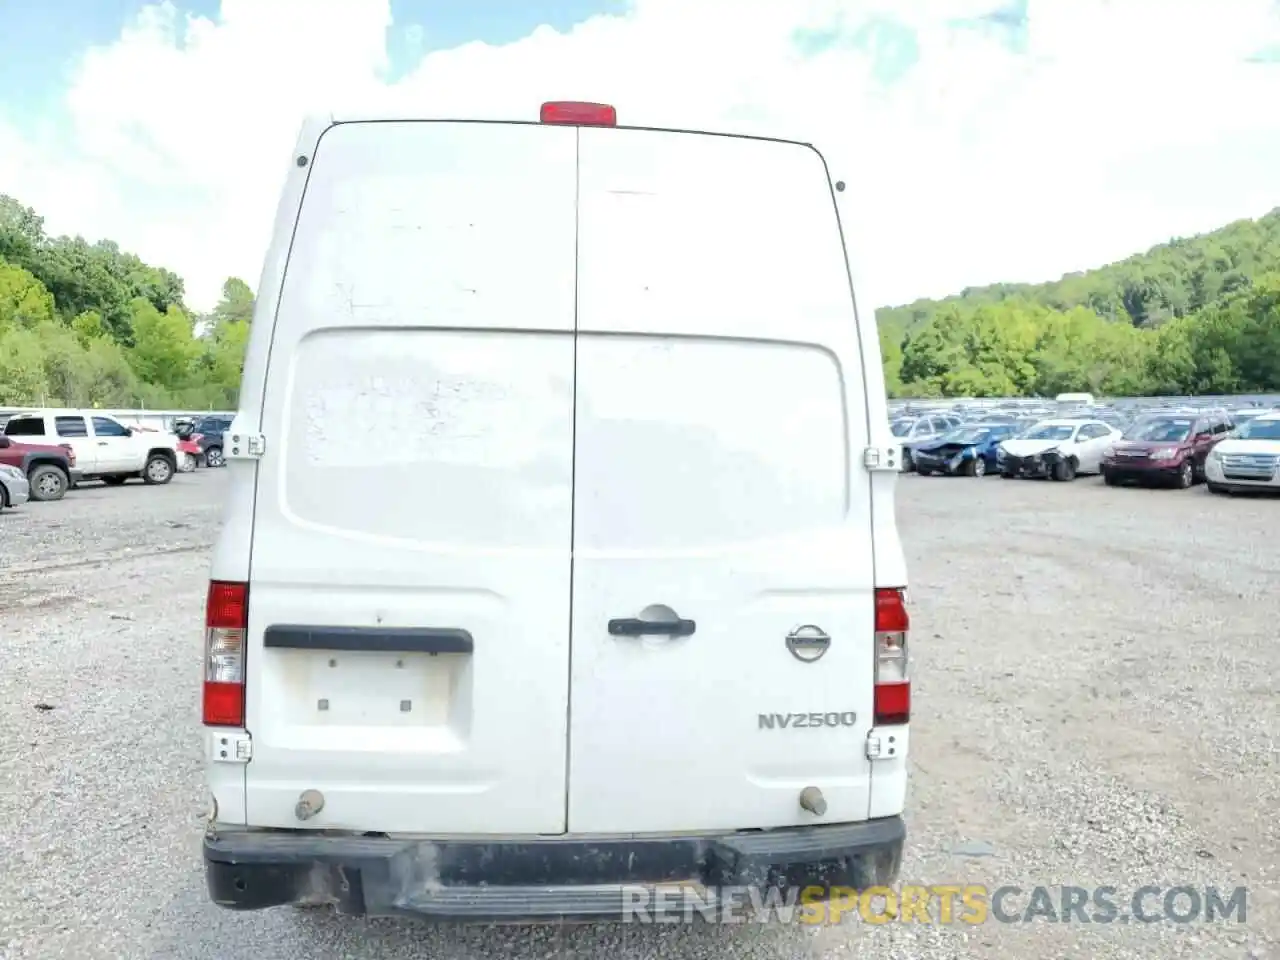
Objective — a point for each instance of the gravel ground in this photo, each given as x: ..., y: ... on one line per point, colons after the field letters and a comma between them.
x: 1096, y: 705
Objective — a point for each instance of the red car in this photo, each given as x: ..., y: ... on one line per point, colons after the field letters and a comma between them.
x: 51, y: 470
x: 1168, y: 449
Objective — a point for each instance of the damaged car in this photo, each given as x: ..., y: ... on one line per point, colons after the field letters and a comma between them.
x: 968, y: 451
x: 1057, y: 449
x: 913, y: 431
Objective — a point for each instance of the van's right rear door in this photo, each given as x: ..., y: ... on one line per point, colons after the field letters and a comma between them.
x: 409, y: 590
x: 720, y: 411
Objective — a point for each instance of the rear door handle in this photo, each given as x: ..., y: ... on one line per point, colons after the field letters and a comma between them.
x: 633, y: 627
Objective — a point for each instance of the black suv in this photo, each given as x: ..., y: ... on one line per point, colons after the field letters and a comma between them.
x: 207, y: 433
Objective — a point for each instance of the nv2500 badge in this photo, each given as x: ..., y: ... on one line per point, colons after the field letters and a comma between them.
x: 783, y: 721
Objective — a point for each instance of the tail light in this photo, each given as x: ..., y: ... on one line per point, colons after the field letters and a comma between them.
x: 579, y: 113
x: 893, y: 682
x: 71, y: 453
x: 226, y: 622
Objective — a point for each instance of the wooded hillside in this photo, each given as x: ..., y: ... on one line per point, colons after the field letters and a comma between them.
x: 1196, y: 315
x: 90, y: 325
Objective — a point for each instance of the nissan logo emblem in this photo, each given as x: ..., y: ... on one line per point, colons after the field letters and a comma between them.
x: 808, y: 643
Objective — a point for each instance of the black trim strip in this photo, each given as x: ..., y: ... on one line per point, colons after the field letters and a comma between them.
x: 385, y: 639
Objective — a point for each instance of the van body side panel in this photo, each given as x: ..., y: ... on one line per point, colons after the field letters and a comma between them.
x: 720, y: 417
x: 417, y: 487
x: 888, y: 774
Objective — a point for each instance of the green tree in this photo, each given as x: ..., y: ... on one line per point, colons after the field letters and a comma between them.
x: 24, y: 302
x: 163, y: 348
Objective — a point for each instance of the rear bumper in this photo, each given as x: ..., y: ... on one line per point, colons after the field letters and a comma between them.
x: 599, y: 879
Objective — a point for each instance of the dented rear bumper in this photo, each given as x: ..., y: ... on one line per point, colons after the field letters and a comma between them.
x: 477, y: 880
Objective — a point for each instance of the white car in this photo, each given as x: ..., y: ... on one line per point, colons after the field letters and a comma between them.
x: 624, y: 608
x: 1058, y: 449
x: 15, y: 490
x: 1248, y: 458
x: 105, y: 448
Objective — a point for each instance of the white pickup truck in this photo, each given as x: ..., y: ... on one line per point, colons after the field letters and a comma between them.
x: 105, y: 448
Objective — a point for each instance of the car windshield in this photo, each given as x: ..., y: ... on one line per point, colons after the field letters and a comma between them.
x: 1050, y: 431
x: 1162, y: 430
x: 968, y: 435
x: 1259, y: 430
x: 901, y: 428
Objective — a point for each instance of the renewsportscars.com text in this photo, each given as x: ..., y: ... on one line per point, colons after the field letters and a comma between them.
x: 943, y: 904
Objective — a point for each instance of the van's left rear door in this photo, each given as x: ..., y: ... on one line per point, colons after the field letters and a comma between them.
x: 409, y: 591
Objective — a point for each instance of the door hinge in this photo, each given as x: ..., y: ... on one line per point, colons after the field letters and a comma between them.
x: 882, y: 458
x: 882, y: 745
x: 230, y: 747
x: 244, y: 446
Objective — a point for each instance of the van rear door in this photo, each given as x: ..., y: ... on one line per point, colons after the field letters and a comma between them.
x: 409, y: 586
x: 720, y: 422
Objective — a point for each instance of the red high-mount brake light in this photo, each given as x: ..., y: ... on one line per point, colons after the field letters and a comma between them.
x: 226, y: 622
x: 576, y: 113
x: 892, y: 681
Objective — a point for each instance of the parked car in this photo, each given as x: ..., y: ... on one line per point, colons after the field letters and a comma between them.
x: 969, y: 450
x: 187, y: 449
x: 14, y: 488
x: 207, y: 433
x: 189, y: 455
x: 1057, y: 449
x: 1164, y: 450
x: 912, y: 431
x: 105, y: 448
x: 50, y: 469
x: 1247, y: 458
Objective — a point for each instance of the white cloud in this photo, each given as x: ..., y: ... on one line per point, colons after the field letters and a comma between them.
x: 1121, y: 123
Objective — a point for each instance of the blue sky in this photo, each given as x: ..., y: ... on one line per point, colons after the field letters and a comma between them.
x: 42, y: 40
x: 982, y: 140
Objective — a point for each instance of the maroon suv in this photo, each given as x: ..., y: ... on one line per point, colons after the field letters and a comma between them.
x: 1164, y: 449
x: 50, y: 469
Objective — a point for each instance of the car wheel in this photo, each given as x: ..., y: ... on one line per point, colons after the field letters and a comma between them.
x: 47, y: 483
x: 1064, y: 471
x: 159, y: 469
x: 977, y: 467
x: 908, y: 462
x: 187, y: 464
x: 1186, y: 476
x: 4, y: 497
x: 213, y: 457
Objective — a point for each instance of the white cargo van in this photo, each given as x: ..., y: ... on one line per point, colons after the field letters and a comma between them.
x: 559, y: 557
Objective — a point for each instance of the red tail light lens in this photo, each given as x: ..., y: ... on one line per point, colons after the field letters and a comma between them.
x: 892, y: 680
x: 226, y: 627
x: 71, y: 453
x: 579, y: 114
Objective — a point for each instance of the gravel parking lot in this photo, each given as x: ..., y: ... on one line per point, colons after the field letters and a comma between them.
x: 1096, y: 704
